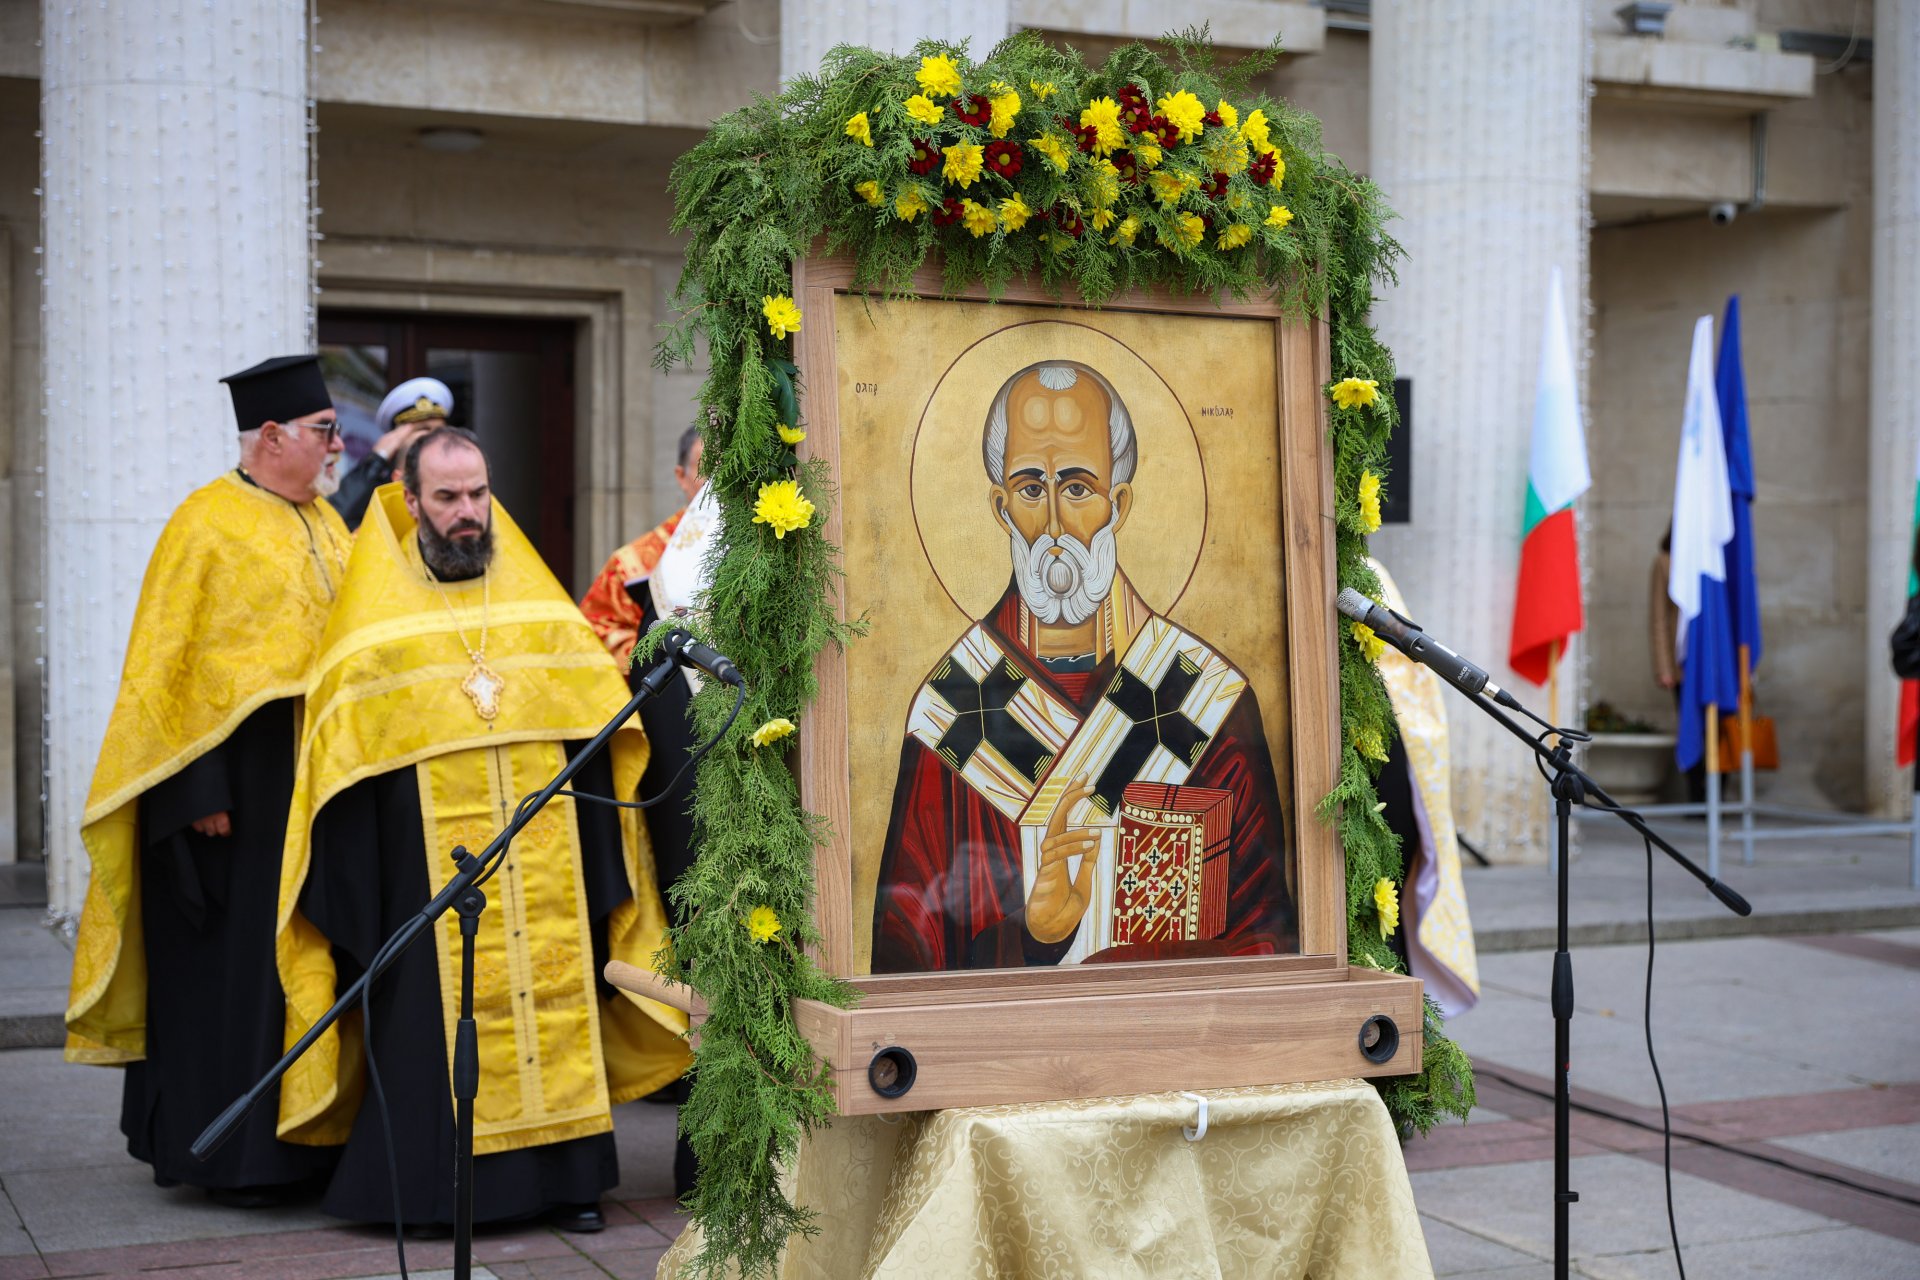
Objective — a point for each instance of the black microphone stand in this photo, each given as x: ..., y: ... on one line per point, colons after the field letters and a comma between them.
x: 1571, y: 785
x: 462, y: 894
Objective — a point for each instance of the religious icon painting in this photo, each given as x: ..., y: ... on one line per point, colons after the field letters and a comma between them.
x: 1093, y: 712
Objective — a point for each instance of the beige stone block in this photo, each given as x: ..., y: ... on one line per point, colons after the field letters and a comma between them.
x: 20, y: 39
x: 1331, y: 86
x: 1716, y: 24
x: 1663, y: 70
x: 1648, y: 151
x: 1235, y: 24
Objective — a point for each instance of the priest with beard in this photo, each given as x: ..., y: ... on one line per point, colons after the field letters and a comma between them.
x: 173, y: 968
x: 457, y: 677
x: 1059, y: 749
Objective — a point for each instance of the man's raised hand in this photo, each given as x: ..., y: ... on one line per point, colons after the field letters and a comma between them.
x: 1058, y: 900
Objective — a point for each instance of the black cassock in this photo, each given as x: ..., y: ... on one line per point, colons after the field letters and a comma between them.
x: 215, y: 1014
x: 368, y: 877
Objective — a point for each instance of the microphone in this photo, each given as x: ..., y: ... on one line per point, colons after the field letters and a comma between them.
x: 691, y: 653
x: 1405, y: 635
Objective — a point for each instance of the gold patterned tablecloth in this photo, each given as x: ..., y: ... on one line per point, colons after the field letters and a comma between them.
x: 1289, y: 1182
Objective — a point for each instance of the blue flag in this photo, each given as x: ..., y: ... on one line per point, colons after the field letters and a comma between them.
x: 1697, y: 573
x: 1730, y: 387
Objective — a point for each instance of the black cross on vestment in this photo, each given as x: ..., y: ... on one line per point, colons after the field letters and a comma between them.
x: 981, y: 715
x: 1157, y: 721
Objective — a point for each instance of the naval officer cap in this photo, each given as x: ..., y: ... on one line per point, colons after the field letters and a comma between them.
x: 278, y: 390
x: 415, y: 400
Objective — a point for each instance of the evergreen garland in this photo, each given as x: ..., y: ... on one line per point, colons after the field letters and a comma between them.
x: 1151, y: 169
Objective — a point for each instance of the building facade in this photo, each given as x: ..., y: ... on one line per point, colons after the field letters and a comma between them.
x: 478, y: 189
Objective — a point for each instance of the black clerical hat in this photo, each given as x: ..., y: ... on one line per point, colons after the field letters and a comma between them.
x: 278, y: 390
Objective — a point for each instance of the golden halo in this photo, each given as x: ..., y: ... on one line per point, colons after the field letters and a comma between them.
x: 967, y: 548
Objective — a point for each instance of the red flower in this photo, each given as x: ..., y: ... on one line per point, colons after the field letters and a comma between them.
x: 1212, y: 119
x: 1129, y: 169
x: 981, y: 112
x: 1216, y: 186
x: 1084, y: 135
x: 926, y: 157
x: 1131, y: 94
x: 1206, y: 221
x: 1137, y: 121
x: 1068, y: 220
x: 1004, y: 158
x: 948, y: 213
x: 1261, y: 170
x: 1166, y: 130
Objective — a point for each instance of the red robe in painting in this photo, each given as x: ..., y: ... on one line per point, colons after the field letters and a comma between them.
x: 951, y: 894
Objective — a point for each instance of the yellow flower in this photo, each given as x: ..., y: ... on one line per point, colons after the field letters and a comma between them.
x: 1188, y: 114
x: 762, y: 924
x: 1014, y: 213
x: 1367, y: 742
x: 1370, y: 501
x: 791, y: 435
x: 1237, y: 200
x: 909, y: 204
x: 1104, y: 115
x: 1101, y: 219
x: 1042, y: 89
x: 1355, y: 393
x: 977, y: 218
x: 938, y: 75
x: 1386, y: 901
x: 1254, y: 130
x: 1229, y: 116
x: 1371, y: 645
x: 923, y: 109
x: 782, y: 316
x: 1234, y: 236
x: 1005, y: 107
x: 1053, y: 150
x: 772, y: 731
x: 870, y: 192
x: 1168, y: 186
x: 1229, y: 154
x: 857, y: 130
x: 782, y: 506
x: 1188, y: 231
x: 1279, y: 216
x: 1124, y: 233
x: 1146, y: 155
x: 965, y: 160
x: 1279, y: 169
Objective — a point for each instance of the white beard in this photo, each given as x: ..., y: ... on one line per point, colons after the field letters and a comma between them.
x: 326, y: 481
x: 1067, y: 587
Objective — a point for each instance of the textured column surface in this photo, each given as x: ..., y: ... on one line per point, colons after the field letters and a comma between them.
x: 809, y: 28
x: 177, y: 246
x: 1479, y: 141
x: 1894, y: 388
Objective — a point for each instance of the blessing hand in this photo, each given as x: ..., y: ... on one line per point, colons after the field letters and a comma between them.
x: 1058, y: 900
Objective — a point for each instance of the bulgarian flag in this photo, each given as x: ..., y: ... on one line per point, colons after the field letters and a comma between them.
x: 1546, y: 604
x: 1910, y: 689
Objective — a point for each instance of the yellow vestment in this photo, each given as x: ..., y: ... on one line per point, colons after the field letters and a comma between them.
x: 386, y: 694
x: 229, y: 619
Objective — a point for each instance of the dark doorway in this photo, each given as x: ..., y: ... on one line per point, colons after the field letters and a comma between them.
x: 512, y: 384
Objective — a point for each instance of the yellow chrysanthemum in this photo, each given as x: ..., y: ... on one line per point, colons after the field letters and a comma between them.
x: 783, y: 507
x: 1014, y: 213
x: 1124, y: 233
x: 1371, y: 645
x: 938, y: 76
x: 1370, y: 501
x: 1006, y: 106
x: 791, y: 435
x: 857, y: 130
x: 909, y: 204
x: 1187, y: 113
x: 924, y: 109
x: 1279, y: 216
x: 870, y: 192
x: 1103, y: 185
x: 772, y: 731
x: 965, y: 160
x: 1146, y: 155
x: 1042, y: 89
x: 977, y: 218
x: 1103, y: 114
x: 783, y: 317
x: 1052, y: 150
x: 1355, y: 393
x: 1368, y: 743
x: 1168, y: 186
x: 1228, y: 113
x: 1254, y: 130
x: 1101, y: 219
x: 1279, y: 169
x: 1188, y: 231
x: 1234, y: 236
x: 1386, y: 902
x: 762, y: 924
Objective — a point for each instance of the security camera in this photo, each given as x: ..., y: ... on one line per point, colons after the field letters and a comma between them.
x: 1722, y: 213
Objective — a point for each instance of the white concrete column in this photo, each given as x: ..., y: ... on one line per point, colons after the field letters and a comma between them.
x: 177, y: 240
x: 810, y: 28
x: 1894, y: 388
x: 1479, y: 141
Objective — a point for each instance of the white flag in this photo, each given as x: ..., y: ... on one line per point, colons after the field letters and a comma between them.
x: 1702, y: 499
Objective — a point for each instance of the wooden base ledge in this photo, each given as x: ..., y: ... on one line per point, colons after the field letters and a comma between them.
x: 645, y: 982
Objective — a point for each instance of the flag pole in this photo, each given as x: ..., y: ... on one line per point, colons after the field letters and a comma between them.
x: 1713, y: 789
x: 1553, y: 717
x: 1746, y: 755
